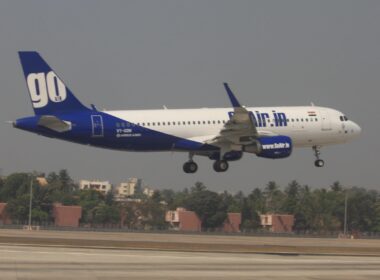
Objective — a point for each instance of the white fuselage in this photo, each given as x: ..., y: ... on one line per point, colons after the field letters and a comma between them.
x: 306, y: 125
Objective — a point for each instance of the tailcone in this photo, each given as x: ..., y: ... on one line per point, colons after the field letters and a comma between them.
x: 28, y: 123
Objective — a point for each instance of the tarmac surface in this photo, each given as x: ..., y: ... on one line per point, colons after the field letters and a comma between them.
x: 29, y: 262
x: 193, y: 242
x: 120, y: 255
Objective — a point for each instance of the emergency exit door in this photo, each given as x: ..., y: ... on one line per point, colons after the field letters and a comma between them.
x: 97, y: 126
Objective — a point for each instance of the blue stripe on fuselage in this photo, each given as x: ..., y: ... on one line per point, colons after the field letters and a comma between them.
x: 129, y: 136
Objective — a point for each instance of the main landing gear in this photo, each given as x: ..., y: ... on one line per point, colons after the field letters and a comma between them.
x: 318, y: 162
x: 191, y: 167
x: 220, y: 165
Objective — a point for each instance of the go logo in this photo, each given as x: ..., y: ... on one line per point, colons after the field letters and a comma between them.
x: 44, y: 88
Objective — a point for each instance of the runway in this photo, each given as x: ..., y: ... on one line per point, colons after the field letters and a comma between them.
x: 30, y: 262
x: 193, y: 242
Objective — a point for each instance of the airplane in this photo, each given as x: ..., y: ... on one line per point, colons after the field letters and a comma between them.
x: 221, y: 134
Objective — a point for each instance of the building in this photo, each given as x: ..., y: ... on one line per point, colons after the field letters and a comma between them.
x: 101, y: 186
x: 232, y: 223
x: 183, y: 220
x: 148, y: 192
x: 4, y: 218
x: 66, y: 216
x: 42, y: 181
x: 127, y: 189
x: 277, y: 222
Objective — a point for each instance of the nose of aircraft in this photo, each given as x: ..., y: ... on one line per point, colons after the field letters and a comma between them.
x: 355, y: 128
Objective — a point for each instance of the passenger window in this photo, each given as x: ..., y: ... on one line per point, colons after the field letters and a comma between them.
x: 168, y: 123
x: 292, y: 120
x: 184, y: 123
x: 316, y: 119
x: 163, y: 123
x: 213, y: 122
x: 148, y: 124
x: 208, y: 122
x: 199, y: 122
x: 297, y: 120
x: 307, y: 119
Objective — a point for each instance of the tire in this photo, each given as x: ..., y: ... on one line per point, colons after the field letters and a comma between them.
x: 190, y: 167
x: 319, y: 163
x: 220, y: 165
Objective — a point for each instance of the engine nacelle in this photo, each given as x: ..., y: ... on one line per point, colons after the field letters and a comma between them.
x: 271, y: 147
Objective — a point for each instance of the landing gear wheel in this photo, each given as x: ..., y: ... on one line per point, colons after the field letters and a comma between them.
x: 190, y: 167
x: 319, y: 163
x: 220, y: 165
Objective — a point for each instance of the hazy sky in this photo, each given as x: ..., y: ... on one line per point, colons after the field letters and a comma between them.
x: 145, y: 54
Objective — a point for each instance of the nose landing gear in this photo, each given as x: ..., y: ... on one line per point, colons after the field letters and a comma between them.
x: 318, y: 162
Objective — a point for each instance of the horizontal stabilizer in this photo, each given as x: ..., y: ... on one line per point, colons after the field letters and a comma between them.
x: 54, y: 123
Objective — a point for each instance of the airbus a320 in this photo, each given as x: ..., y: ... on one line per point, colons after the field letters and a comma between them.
x: 221, y: 134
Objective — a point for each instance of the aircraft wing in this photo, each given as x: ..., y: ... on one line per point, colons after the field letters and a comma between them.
x: 239, y: 130
x: 54, y: 123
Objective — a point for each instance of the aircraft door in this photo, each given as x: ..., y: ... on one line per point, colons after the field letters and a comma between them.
x: 97, y: 126
x: 325, y: 120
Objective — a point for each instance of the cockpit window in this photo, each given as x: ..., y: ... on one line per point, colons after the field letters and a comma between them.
x: 341, y: 118
x: 345, y: 118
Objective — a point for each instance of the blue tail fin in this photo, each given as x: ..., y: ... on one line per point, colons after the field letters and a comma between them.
x: 47, y: 91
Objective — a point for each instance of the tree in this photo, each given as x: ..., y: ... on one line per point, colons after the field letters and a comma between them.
x: 252, y: 207
x: 168, y: 196
x: 89, y: 200
x: 207, y: 205
x: 62, y: 188
x: 274, y: 197
x: 106, y: 214
x: 153, y: 214
x: 376, y: 222
x: 15, y: 185
x: 18, y: 208
x: 303, y: 213
x: 291, y: 200
x: 361, y: 209
x: 130, y: 215
x: 198, y: 186
x: 1, y: 189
